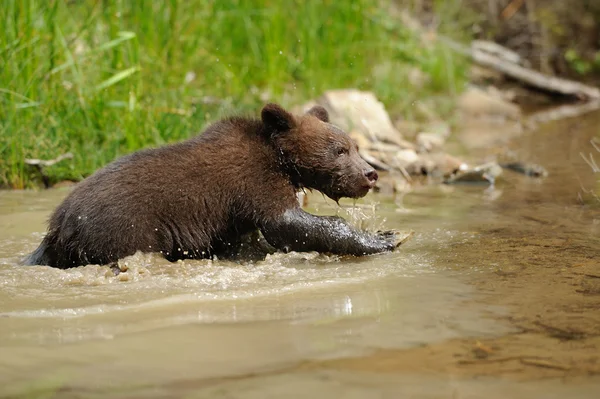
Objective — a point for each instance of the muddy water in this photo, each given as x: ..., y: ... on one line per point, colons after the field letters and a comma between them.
x: 319, y: 326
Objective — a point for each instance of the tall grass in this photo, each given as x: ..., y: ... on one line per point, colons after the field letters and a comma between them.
x: 106, y: 77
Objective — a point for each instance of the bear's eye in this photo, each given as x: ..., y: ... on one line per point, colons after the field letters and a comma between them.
x: 342, y: 151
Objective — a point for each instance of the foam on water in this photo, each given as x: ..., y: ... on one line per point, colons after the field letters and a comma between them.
x: 153, y: 282
x: 44, y: 305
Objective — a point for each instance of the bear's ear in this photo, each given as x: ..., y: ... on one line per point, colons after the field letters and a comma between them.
x: 277, y: 118
x: 319, y: 112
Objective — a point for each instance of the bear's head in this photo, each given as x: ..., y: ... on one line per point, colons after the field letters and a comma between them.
x: 316, y: 154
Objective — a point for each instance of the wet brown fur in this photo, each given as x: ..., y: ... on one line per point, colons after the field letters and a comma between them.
x: 195, y: 198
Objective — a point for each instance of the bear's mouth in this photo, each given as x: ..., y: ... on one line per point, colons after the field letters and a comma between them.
x: 355, y: 193
x: 368, y: 185
x: 365, y: 189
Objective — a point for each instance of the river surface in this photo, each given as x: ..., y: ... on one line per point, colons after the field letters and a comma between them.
x: 265, y: 329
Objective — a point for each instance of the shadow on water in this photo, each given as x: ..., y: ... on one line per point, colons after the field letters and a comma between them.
x: 479, y: 267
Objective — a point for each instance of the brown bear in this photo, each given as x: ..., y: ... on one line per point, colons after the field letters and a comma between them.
x: 196, y: 198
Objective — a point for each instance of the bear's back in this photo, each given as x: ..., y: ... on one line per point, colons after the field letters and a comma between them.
x: 178, y: 197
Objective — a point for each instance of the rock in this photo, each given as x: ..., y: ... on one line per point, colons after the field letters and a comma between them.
x: 447, y: 164
x: 351, y: 109
x: 477, y: 102
x: 373, y: 160
x: 429, y: 142
x: 528, y: 169
x: 486, y: 173
x: 361, y: 140
x: 405, y: 158
x: 386, y: 147
x: 381, y: 144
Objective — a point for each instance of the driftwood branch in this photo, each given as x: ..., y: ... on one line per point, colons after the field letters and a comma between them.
x: 497, y: 50
x: 536, y: 79
x: 523, y: 74
x: 503, y: 60
x: 49, y: 162
x: 40, y: 164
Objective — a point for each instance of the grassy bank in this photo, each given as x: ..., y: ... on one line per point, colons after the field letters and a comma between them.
x: 104, y: 78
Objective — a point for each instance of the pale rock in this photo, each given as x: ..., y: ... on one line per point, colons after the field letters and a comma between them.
x: 377, y: 160
x: 361, y: 140
x: 351, y: 109
x: 406, y: 157
x: 429, y: 142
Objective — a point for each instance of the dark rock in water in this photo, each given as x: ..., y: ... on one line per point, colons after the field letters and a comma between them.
x: 528, y: 169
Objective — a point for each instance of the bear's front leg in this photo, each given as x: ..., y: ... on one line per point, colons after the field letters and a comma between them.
x: 297, y: 230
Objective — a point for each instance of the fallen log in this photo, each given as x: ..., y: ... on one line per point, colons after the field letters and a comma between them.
x: 536, y: 79
x: 526, y: 75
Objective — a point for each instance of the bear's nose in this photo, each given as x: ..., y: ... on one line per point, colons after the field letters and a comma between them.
x: 371, y: 175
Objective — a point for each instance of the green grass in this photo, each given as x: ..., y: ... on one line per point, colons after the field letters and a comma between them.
x: 104, y: 78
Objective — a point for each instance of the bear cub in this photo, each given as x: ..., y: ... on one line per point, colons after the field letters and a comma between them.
x: 199, y: 197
